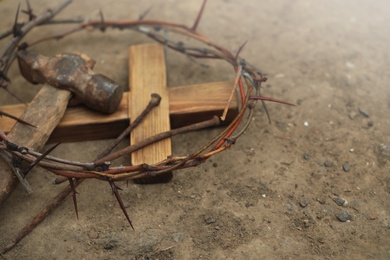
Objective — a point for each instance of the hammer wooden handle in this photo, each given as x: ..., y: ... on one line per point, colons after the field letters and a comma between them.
x: 44, y: 112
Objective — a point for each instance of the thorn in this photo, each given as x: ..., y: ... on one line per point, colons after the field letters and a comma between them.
x: 16, y: 28
x: 29, y: 11
x: 40, y: 158
x: 271, y: 99
x: 17, y: 119
x: 238, y: 75
x: 266, y: 111
x: 145, y: 13
x: 17, y: 16
x: 72, y: 186
x: 240, y: 49
x: 12, y: 94
x: 102, y: 27
x: 263, y: 99
x: 118, y: 198
x: 197, y: 20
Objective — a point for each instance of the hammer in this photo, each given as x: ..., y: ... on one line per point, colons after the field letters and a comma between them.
x: 69, y: 74
x: 72, y: 72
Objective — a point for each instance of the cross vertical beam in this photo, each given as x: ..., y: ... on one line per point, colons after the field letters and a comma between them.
x: 147, y: 74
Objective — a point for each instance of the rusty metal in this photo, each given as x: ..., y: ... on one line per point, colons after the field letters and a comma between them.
x: 72, y: 72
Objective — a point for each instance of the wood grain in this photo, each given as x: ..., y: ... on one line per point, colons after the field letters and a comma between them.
x: 44, y: 112
x: 147, y: 75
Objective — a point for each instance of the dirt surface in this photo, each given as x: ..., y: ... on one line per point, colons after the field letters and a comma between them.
x: 277, y: 193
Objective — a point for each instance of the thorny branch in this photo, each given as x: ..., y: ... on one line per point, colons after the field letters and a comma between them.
x: 248, y: 81
x: 19, y: 31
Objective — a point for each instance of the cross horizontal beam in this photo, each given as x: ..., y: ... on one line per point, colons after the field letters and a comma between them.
x: 187, y: 104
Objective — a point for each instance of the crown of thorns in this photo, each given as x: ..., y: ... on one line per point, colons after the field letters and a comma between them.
x: 247, y: 80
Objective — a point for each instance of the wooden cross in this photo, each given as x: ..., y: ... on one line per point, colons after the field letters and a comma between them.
x: 147, y: 73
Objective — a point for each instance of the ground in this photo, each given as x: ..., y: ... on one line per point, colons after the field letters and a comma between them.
x: 314, y: 184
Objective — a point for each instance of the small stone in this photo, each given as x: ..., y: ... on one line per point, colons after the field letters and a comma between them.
x: 291, y: 207
x: 178, y: 237
x: 320, y: 160
x: 215, y: 164
x: 343, y: 216
x: 93, y: 235
x: 352, y: 115
x: 250, y: 151
x: 303, y: 203
x: 306, y: 223
x: 306, y: 156
x: 339, y: 201
x: 217, y: 228
x: 109, y: 246
x: 328, y: 164
x: 355, y: 204
x: 210, y: 219
x: 382, y: 152
x: 373, y: 216
x: 346, y: 167
x: 364, y: 112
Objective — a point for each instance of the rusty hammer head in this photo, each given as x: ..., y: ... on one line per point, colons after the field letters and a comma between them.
x: 72, y: 72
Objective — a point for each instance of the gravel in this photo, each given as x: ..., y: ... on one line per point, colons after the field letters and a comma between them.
x: 210, y: 219
x: 303, y: 202
x: 346, y: 167
x: 343, y: 216
x: 340, y: 201
x: 364, y: 112
x: 328, y: 164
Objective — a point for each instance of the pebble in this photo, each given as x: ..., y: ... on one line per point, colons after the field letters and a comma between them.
x: 346, y: 167
x: 306, y: 223
x: 210, y: 219
x: 343, y: 216
x: 373, y: 216
x: 306, y: 156
x: 321, y: 169
x: 178, y: 237
x: 304, y: 202
x: 352, y: 115
x: 364, y: 112
x: 291, y: 207
x: 93, y: 235
x: 355, y: 204
x: 110, y: 245
x: 339, y: 201
x: 382, y: 152
x: 320, y: 160
x: 328, y: 164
